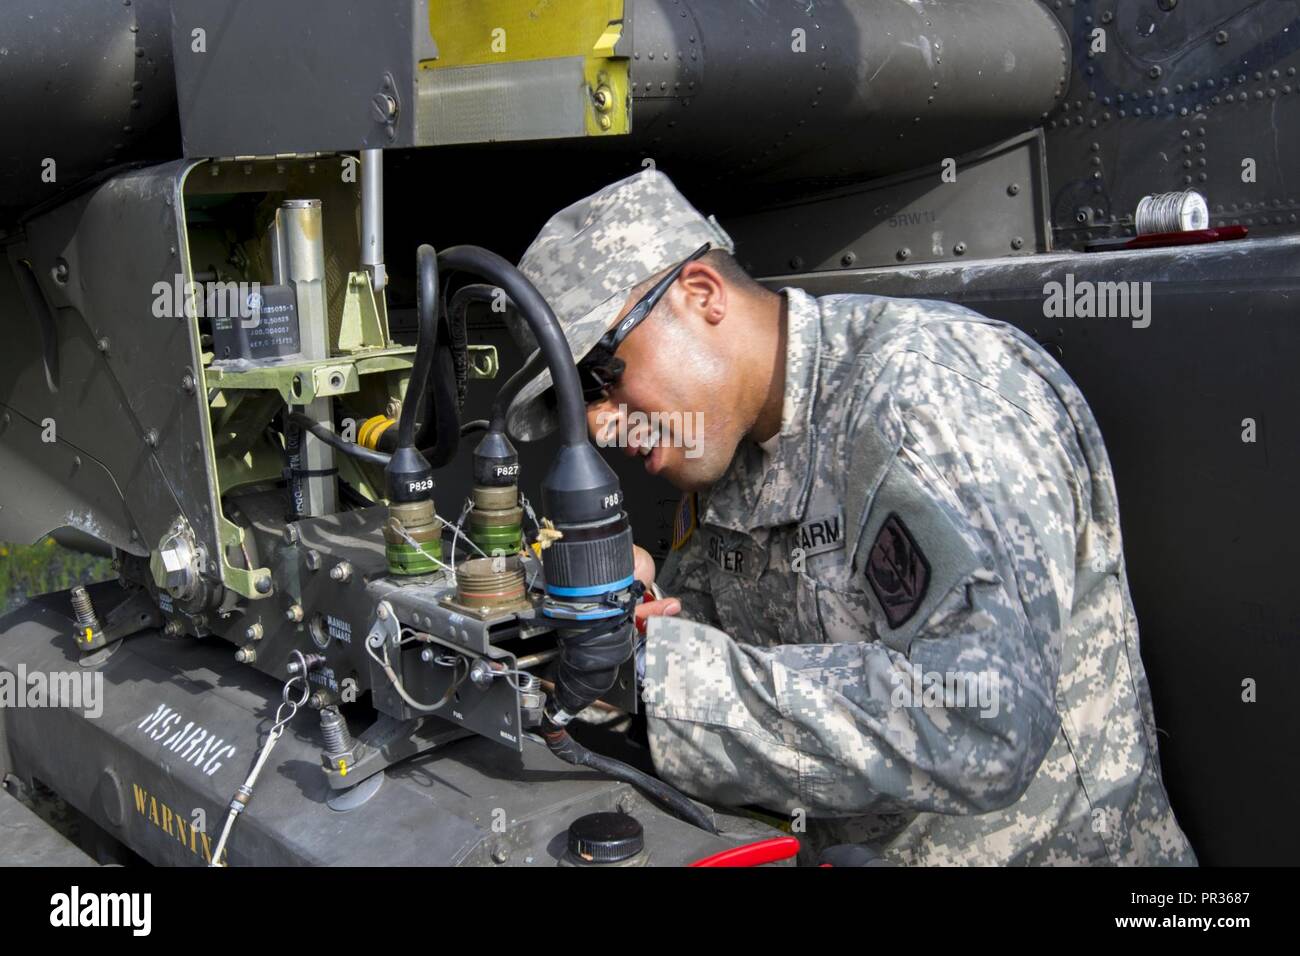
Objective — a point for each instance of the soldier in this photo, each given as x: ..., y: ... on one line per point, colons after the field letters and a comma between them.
x: 905, y: 617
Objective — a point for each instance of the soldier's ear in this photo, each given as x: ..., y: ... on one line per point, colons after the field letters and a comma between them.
x: 704, y: 291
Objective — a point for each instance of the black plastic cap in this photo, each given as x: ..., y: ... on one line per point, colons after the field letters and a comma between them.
x: 496, y: 463
x: 581, y: 487
x: 606, y: 837
x: 409, y: 476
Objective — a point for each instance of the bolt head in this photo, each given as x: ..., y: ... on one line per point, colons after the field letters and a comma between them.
x: 174, y: 565
x: 383, y: 107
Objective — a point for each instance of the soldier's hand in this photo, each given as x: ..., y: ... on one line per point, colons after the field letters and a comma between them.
x: 643, y: 569
x: 666, y: 607
x: 643, y: 566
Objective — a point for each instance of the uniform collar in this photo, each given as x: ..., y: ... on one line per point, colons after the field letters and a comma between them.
x: 761, y: 491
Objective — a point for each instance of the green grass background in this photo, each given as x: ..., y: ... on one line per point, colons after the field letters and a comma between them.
x: 27, y: 570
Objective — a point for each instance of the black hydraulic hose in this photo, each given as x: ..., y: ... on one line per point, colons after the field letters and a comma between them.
x: 588, y: 667
x: 293, y: 442
x: 439, y: 431
x: 443, y: 412
x: 458, y: 325
x: 506, y: 394
x: 569, y: 750
x: 426, y: 313
x: 359, y: 452
x: 477, y: 425
x: 544, y: 325
x: 475, y: 292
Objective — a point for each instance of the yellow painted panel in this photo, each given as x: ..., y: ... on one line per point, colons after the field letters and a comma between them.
x: 470, y: 32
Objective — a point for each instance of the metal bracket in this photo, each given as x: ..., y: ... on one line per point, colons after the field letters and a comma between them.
x: 483, y: 362
x: 388, y: 741
x: 133, y: 615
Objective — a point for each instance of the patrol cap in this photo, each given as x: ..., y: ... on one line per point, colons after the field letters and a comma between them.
x: 588, y: 258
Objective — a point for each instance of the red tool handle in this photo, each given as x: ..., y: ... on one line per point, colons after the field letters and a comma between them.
x: 754, y: 854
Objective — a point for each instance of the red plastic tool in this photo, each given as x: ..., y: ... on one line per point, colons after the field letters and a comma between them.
x: 754, y: 854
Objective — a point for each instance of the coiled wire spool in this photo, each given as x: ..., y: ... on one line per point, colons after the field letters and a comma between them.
x: 1183, y: 211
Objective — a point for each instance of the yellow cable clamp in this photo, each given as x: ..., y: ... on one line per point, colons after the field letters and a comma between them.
x: 372, y: 429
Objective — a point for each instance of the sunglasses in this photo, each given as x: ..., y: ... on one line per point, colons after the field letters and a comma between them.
x: 599, y: 371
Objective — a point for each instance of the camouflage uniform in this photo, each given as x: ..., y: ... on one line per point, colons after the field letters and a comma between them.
x: 939, y: 510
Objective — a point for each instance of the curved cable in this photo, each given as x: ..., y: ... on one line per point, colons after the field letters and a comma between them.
x: 359, y: 452
x: 544, y: 325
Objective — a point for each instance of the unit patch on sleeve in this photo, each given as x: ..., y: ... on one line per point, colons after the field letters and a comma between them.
x: 897, y: 571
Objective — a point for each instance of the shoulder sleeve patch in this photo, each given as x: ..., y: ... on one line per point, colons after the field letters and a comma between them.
x: 898, y: 571
x: 913, y: 553
x: 685, y: 521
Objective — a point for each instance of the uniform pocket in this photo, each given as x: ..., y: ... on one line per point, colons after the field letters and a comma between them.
x: 827, y: 615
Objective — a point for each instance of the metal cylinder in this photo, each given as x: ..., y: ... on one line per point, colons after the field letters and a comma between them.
x: 532, y: 699
x: 413, y: 538
x: 496, y: 522
x: 1182, y: 211
x: 299, y: 248
x: 372, y: 217
x: 487, y: 584
x: 83, y: 609
x: 780, y: 92
x: 338, y: 739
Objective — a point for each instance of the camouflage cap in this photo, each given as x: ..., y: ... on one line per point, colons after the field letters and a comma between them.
x: 586, y: 260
